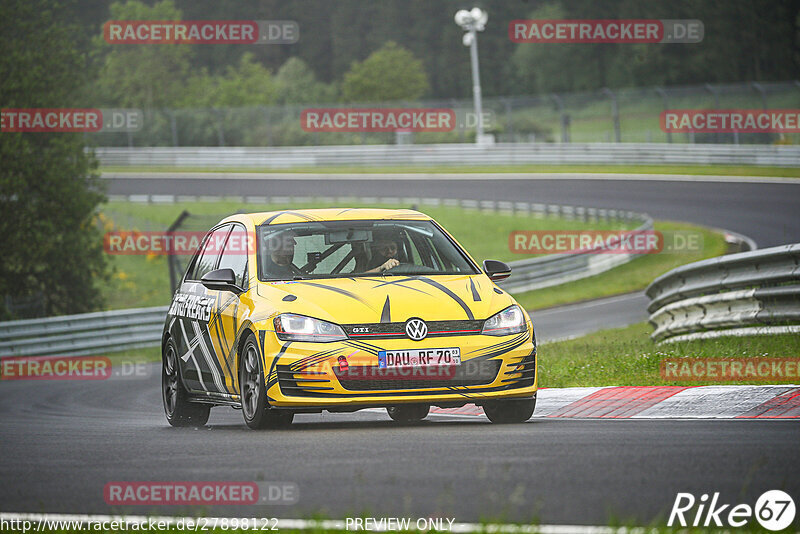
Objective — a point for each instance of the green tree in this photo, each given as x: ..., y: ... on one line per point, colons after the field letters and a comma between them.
x: 143, y: 76
x: 296, y: 84
x: 247, y: 84
x: 49, y: 187
x: 390, y: 73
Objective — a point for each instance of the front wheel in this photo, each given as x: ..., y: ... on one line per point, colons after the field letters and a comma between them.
x: 178, y: 409
x: 510, y: 411
x: 409, y: 413
x: 256, y: 410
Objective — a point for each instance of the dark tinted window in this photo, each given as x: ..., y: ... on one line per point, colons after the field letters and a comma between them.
x: 235, y: 254
x: 212, y: 246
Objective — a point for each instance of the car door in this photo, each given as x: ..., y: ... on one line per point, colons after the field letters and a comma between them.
x: 229, y: 312
x: 193, y: 310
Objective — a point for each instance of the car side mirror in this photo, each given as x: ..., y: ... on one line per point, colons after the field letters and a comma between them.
x: 221, y: 280
x: 496, y: 270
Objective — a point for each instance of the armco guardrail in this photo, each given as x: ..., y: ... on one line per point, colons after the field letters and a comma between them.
x: 103, y: 332
x: 748, y: 293
x: 557, y: 269
x: 451, y: 154
x: 86, y: 333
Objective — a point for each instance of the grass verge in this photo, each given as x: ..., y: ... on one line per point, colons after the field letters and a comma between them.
x: 703, y: 170
x: 628, y: 357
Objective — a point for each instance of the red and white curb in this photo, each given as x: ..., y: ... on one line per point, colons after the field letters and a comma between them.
x: 660, y: 402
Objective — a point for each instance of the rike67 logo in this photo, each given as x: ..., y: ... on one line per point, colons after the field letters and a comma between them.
x: 774, y: 510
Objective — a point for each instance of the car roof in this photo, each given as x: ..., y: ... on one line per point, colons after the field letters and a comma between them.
x: 327, y: 214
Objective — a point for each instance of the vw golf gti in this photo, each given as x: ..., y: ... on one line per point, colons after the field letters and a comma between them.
x: 292, y: 312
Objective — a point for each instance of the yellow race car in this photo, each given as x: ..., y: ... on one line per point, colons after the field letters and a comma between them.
x: 343, y: 309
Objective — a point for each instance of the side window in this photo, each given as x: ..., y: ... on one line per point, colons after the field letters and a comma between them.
x: 235, y: 254
x: 207, y: 259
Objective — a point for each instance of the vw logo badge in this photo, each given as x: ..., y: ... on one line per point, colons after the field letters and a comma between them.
x: 416, y: 329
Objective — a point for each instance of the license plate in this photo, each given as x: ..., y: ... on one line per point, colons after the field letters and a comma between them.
x: 419, y: 357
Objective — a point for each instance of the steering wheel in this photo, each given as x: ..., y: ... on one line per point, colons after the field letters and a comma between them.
x: 405, y: 268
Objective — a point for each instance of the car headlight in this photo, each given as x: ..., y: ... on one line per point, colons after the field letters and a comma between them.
x: 509, y: 321
x: 291, y: 327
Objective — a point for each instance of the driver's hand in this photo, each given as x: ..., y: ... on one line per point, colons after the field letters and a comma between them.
x: 390, y: 263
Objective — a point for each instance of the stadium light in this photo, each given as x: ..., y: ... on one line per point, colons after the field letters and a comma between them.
x: 474, y: 21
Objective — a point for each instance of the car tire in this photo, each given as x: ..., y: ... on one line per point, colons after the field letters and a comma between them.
x: 180, y: 411
x: 257, y: 412
x: 510, y: 411
x: 408, y: 413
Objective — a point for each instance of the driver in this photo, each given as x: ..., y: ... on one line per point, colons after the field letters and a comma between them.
x: 278, y: 263
x: 385, y: 257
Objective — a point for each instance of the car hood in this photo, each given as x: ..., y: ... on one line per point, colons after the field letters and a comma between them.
x: 389, y: 299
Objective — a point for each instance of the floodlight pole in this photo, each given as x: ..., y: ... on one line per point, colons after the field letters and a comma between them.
x: 476, y: 85
x: 472, y: 22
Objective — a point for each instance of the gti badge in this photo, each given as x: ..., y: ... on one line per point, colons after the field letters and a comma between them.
x: 416, y: 329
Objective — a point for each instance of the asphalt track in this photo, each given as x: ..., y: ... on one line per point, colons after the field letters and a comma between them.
x: 766, y: 212
x: 62, y: 442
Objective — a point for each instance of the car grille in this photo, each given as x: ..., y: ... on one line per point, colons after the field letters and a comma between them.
x: 367, y: 378
x: 398, y: 330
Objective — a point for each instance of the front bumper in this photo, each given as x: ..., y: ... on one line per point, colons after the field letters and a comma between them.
x: 309, y: 375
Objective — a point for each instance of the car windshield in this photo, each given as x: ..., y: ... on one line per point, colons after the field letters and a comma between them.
x: 357, y: 248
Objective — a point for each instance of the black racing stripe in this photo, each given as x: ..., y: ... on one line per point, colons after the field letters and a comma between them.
x: 295, y: 213
x: 270, y: 381
x: 334, y: 289
x: 313, y: 359
x: 475, y: 295
x: 372, y: 349
x: 230, y: 350
x: 206, y: 335
x: 220, y: 329
x: 499, y: 346
x: 449, y: 293
x: 386, y: 314
x: 399, y: 283
x: 236, y: 316
x: 312, y: 363
x: 508, y: 348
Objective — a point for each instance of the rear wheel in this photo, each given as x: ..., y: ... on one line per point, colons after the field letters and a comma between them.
x: 409, y: 413
x: 257, y: 412
x: 178, y: 409
x: 510, y: 411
